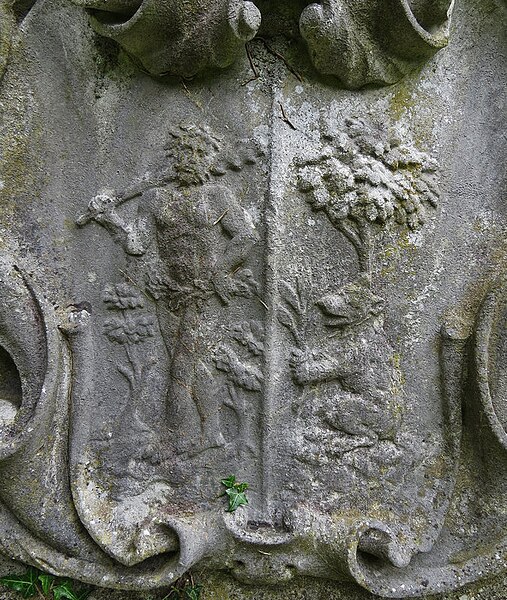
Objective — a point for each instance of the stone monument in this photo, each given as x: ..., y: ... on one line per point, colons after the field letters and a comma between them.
x: 259, y: 245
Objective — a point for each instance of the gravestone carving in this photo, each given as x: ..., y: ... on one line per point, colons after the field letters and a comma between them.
x: 260, y: 239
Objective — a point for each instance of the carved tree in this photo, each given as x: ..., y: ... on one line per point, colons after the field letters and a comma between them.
x: 365, y: 181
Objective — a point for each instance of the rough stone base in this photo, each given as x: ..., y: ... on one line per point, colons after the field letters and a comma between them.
x: 222, y: 587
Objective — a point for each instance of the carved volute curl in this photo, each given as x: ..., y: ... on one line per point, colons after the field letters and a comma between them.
x: 374, y: 41
x: 360, y: 42
x: 489, y: 360
x: 174, y: 37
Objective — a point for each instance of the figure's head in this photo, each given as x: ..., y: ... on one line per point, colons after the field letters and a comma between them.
x: 352, y: 304
x: 192, y: 150
x: 195, y: 154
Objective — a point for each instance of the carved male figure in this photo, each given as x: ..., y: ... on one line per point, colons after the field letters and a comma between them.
x: 195, y: 236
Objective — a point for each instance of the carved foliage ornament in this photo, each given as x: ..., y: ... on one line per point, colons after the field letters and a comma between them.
x: 373, y: 41
x: 360, y: 42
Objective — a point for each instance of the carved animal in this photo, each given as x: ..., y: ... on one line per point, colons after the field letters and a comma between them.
x: 356, y: 356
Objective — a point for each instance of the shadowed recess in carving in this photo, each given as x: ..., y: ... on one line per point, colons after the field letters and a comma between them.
x: 119, y: 10
x: 10, y: 388
x: 23, y: 356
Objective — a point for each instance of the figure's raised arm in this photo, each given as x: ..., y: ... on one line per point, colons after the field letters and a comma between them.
x: 135, y: 236
x: 238, y: 228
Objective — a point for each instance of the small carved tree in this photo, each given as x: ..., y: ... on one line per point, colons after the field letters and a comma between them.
x: 130, y: 328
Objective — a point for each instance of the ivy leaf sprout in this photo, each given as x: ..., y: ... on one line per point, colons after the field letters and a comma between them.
x: 235, y: 492
x: 193, y: 592
x: 229, y: 482
x: 236, y: 499
x: 65, y: 591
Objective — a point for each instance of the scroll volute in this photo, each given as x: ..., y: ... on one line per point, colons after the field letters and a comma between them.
x: 373, y: 42
x: 171, y: 37
x: 24, y: 359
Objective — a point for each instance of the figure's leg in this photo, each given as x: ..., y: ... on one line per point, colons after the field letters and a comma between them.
x: 207, y: 401
x: 194, y: 390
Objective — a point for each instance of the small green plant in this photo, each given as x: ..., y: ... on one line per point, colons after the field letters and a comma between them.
x: 235, y: 493
x: 184, y: 589
x: 48, y: 587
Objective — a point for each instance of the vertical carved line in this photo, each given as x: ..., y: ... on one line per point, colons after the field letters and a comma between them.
x: 270, y: 324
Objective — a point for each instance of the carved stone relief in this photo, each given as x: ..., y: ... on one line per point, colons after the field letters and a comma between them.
x: 219, y: 256
x: 344, y: 38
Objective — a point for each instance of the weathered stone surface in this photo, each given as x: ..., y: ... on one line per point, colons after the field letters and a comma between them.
x: 218, y: 259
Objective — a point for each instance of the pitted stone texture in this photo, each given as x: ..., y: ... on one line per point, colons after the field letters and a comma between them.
x: 255, y: 273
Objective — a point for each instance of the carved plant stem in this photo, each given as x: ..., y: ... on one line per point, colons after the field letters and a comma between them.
x: 365, y: 252
x: 361, y: 237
